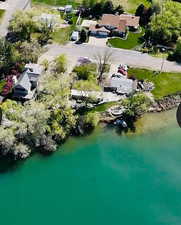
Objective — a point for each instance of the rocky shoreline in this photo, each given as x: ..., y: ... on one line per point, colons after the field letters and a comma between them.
x: 166, y: 103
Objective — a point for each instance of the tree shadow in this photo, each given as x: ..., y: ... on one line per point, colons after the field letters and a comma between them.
x: 7, y: 164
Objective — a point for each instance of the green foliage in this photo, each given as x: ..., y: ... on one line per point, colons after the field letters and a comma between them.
x: 62, y: 35
x: 87, y: 85
x: 177, y: 52
x: 7, y: 56
x: 91, y: 120
x: 23, y: 25
x: 61, y: 64
x: 136, y: 105
x: 165, y: 83
x: 83, y: 35
x: 85, y: 72
x: 45, y: 64
x: 39, y: 124
x: 165, y: 27
x: 87, y: 77
x: 27, y: 51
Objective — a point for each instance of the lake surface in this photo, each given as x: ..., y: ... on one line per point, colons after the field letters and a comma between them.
x: 105, y: 178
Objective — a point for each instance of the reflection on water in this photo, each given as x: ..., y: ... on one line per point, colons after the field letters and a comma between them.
x: 156, y: 121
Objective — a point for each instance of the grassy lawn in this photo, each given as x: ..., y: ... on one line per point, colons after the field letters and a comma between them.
x: 58, y: 2
x: 165, y: 83
x: 2, y: 11
x: 132, y: 41
x: 62, y: 36
x: 129, y: 5
x: 86, y: 85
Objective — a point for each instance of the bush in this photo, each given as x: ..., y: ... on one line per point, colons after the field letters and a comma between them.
x: 87, y: 85
x: 84, y: 72
x: 177, y: 53
x: 61, y: 64
x: 91, y: 120
x: 136, y: 105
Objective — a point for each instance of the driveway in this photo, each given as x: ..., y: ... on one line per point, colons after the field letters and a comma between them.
x: 11, y: 6
x: 100, y: 42
x: 129, y: 57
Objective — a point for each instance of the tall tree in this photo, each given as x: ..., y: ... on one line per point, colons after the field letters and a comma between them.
x: 177, y: 53
x: 103, y: 59
x: 165, y: 27
x: 108, y: 7
x: 7, y: 55
x: 23, y: 25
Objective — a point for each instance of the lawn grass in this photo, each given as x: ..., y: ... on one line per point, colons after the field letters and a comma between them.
x: 165, y: 83
x: 62, y: 35
x: 2, y: 12
x: 59, y: 2
x: 86, y: 85
x: 128, y: 5
x: 133, y: 4
x: 132, y: 41
x: 103, y: 107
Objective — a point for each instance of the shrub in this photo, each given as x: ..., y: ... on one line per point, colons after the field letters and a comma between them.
x: 87, y: 85
x: 91, y: 120
x: 177, y: 53
x: 61, y: 64
x: 84, y: 72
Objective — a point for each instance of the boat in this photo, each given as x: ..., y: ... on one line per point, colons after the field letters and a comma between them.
x: 120, y: 122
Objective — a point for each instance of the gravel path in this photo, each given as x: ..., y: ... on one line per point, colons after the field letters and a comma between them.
x: 129, y: 57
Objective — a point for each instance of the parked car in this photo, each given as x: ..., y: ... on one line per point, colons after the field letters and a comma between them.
x: 75, y: 36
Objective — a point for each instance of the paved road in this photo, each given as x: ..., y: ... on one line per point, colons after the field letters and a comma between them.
x: 132, y: 58
x: 11, y: 7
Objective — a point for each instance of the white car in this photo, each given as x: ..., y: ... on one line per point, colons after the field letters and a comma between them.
x: 75, y: 36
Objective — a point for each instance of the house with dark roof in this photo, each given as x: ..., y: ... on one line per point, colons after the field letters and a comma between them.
x: 26, y: 86
x: 114, y: 25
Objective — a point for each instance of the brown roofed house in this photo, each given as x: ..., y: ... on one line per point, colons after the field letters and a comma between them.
x: 109, y: 23
x: 115, y: 24
x: 99, y: 31
x: 131, y: 21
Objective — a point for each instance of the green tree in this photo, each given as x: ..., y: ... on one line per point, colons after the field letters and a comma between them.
x: 136, y: 105
x: 28, y: 51
x: 165, y: 27
x: 83, y: 35
x: 108, y: 7
x: 91, y: 120
x: 61, y: 64
x: 177, y: 52
x: 85, y: 72
x: 7, y: 54
x: 23, y: 25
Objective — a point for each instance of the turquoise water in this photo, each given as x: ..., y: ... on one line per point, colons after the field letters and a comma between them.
x: 103, y: 178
